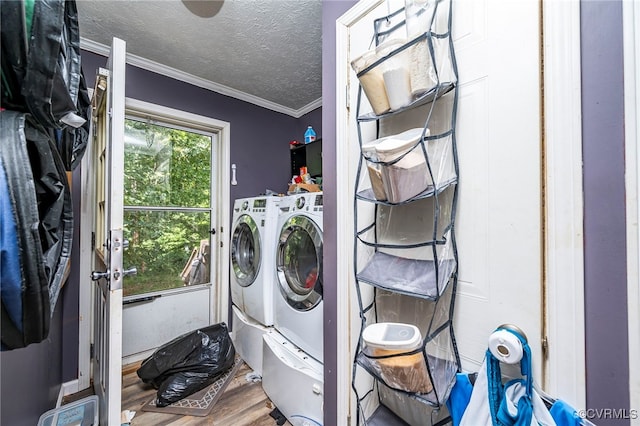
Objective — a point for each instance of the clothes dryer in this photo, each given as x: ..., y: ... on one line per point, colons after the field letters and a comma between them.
x: 253, y: 242
x: 298, y: 296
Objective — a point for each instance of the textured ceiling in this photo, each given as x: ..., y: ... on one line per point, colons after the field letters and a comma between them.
x: 268, y: 52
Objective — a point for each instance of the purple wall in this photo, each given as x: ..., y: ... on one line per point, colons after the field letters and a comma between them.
x: 259, y: 137
x: 30, y: 377
x: 604, y: 207
x: 331, y: 10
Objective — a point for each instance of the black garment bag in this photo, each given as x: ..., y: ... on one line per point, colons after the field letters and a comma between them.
x: 41, y: 207
x: 42, y: 73
x: 44, y: 131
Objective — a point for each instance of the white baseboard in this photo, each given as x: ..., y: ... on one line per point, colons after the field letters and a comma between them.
x: 130, y: 359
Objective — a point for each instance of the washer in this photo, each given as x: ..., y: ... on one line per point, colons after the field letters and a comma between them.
x: 293, y: 381
x: 298, y: 270
x: 253, y: 244
x: 253, y: 238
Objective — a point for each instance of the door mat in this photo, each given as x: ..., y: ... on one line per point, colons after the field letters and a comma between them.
x: 200, y: 403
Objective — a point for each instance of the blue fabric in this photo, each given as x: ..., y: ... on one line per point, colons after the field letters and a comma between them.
x: 497, y: 402
x: 525, y: 410
x: 564, y: 414
x: 10, y: 275
x: 459, y: 397
x: 495, y: 389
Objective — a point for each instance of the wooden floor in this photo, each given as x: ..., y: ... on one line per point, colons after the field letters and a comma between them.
x: 243, y: 403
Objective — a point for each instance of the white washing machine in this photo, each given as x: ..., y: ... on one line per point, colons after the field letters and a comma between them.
x: 298, y: 271
x: 293, y: 381
x: 253, y: 244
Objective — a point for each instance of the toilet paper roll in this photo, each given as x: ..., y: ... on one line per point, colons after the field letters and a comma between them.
x: 505, y: 346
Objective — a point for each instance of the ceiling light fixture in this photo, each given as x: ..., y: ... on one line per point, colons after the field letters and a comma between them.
x: 204, y: 8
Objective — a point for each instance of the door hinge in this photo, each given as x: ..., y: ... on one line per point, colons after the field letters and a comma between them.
x: 221, y: 244
x: 545, y: 347
x: 93, y: 241
x: 91, y: 351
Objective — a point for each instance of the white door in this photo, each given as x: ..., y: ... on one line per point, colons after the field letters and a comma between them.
x: 498, y: 222
x: 171, y: 220
x: 108, y: 272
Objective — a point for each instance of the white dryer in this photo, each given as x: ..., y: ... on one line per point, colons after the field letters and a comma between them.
x: 298, y: 298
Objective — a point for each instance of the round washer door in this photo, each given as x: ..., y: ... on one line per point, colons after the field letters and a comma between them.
x: 245, y: 250
x: 299, y: 263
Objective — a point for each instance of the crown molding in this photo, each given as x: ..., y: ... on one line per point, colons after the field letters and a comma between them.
x: 308, y: 108
x: 146, y: 64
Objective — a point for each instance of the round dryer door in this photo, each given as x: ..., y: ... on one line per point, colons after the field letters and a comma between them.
x: 245, y: 250
x: 299, y: 263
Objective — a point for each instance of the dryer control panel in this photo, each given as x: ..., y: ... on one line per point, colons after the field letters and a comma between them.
x: 309, y: 202
x: 258, y: 205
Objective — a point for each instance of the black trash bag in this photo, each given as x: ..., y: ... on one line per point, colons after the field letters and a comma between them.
x: 188, y: 363
x: 181, y: 385
x: 40, y: 200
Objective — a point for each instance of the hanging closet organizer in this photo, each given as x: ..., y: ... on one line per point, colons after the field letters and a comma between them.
x: 405, y: 199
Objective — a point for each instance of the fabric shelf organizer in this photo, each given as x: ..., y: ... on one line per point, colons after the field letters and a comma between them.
x: 406, y: 190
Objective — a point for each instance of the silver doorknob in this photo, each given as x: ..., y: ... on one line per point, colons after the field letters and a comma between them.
x: 131, y: 271
x: 126, y: 272
x: 96, y: 275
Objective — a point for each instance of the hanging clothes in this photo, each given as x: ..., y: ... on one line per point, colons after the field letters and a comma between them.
x: 25, y: 319
x: 38, y: 202
x: 42, y: 72
x: 44, y: 131
x: 484, y: 400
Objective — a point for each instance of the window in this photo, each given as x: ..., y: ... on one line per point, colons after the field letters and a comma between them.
x: 167, y: 199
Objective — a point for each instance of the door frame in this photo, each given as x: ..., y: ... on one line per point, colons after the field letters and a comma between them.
x: 631, y: 35
x: 107, y: 233
x: 565, y: 373
x: 563, y: 243
x: 219, y: 290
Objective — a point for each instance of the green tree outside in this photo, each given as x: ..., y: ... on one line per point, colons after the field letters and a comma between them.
x: 167, y: 184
